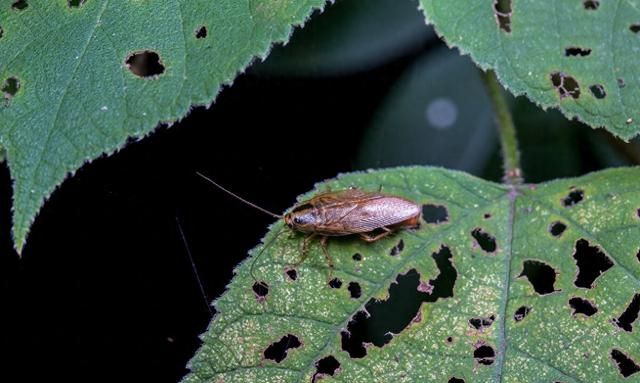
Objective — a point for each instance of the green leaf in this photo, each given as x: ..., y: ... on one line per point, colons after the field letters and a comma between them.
x: 579, y: 56
x: 500, y: 288
x: 78, y: 81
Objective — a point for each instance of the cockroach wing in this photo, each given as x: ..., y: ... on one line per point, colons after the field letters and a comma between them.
x: 378, y: 213
x: 347, y: 197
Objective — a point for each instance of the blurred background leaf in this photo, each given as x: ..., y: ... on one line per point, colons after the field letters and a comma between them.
x: 351, y: 36
x: 437, y: 113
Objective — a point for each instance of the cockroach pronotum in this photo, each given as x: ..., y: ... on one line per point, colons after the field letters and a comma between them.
x: 369, y: 215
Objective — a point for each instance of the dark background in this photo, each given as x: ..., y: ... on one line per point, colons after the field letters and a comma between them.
x: 105, y: 289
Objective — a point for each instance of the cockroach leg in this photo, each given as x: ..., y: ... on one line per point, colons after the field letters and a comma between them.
x: 325, y: 251
x: 305, y: 248
x: 372, y: 238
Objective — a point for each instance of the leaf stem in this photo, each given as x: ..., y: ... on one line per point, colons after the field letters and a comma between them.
x: 506, y: 130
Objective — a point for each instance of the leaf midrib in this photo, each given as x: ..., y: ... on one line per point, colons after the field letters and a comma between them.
x: 502, y: 341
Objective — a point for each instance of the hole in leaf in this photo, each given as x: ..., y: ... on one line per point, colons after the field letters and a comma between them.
x: 261, y: 289
x: 521, y: 313
x: 486, y: 241
x: 577, y: 51
x: 355, y: 290
x: 484, y: 354
x: 565, y: 85
x: 592, y: 263
x: 76, y: 3
x: 446, y: 279
x: 482, y: 323
x: 292, y: 274
x: 397, y: 249
x: 455, y: 380
x: 598, y: 91
x: 541, y: 276
x: 626, y: 365
x: 145, y: 64
x: 557, y: 228
x: 277, y: 351
x: 449, y: 339
x: 621, y: 83
x: 325, y: 366
x: 630, y: 315
x: 638, y: 213
x: 574, y: 197
x: 1, y: 32
x: 382, y: 318
x: 19, y: 5
x: 571, y: 85
x: 357, y: 257
x: 10, y: 87
x: 435, y: 213
x: 502, y: 11
x: 201, y: 32
x: 487, y: 215
x: 638, y: 255
x: 582, y: 306
x: 635, y: 28
x: 591, y: 5
x: 335, y: 283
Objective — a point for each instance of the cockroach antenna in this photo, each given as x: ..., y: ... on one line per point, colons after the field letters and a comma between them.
x: 267, y: 244
x: 238, y: 197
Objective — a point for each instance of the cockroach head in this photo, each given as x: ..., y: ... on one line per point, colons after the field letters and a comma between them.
x: 288, y: 220
x: 292, y: 220
x: 300, y: 220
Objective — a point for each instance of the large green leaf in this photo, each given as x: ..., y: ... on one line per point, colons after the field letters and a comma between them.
x: 71, y: 95
x: 499, y: 287
x: 577, y: 55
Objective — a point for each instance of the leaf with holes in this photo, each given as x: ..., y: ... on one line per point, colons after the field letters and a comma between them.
x: 579, y: 55
x: 537, y: 283
x: 78, y: 78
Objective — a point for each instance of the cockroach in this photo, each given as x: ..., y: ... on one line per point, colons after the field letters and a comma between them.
x: 369, y: 215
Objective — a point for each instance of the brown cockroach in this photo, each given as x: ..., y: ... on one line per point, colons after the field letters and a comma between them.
x: 369, y: 215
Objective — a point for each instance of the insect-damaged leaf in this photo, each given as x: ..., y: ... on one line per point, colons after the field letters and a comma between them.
x: 78, y: 78
x: 577, y: 55
x: 443, y: 307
